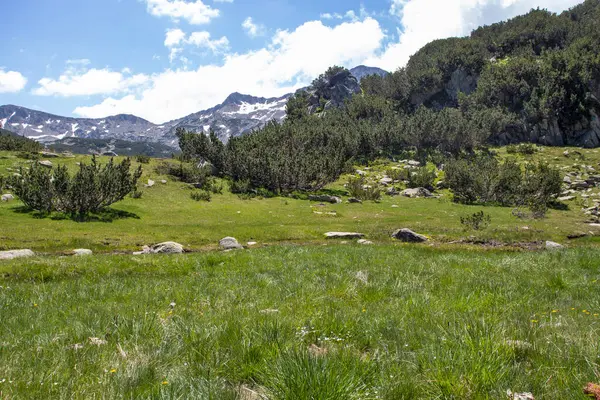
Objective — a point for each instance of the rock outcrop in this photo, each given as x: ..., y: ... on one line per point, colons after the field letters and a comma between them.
x: 408, y: 236
x: 12, y: 254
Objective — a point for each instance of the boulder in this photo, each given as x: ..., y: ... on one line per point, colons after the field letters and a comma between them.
x: 567, y: 179
x: 168, y: 248
x: 386, y: 181
x: 45, y: 163
x: 230, y: 243
x: 408, y: 236
x: 354, y: 200
x: 566, y: 198
x: 325, y: 198
x: 416, y: 192
x: 344, y: 235
x: 12, y: 254
x: 162, y: 248
x: 82, y: 252
x: 7, y: 197
x: 553, y: 245
x: 413, y: 163
x: 391, y: 191
x: 48, y: 154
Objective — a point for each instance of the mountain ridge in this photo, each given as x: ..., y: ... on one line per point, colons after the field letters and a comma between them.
x: 238, y: 114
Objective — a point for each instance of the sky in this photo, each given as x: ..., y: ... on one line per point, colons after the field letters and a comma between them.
x: 164, y: 59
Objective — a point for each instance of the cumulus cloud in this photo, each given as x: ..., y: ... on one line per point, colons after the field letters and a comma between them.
x: 11, y: 81
x: 77, y: 80
x: 291, y: 60
x: 174, y: 37
x: 252, y: 29
x: 194, y: 12
x: 425, y: 20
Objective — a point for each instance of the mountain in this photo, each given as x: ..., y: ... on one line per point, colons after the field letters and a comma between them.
x: 237, y: 115
x: 361, y: 71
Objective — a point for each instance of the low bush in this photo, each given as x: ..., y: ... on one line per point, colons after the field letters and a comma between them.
x: 358, y: 188
x: 91, y: 189
x: 184, y: 172
x: 476, y: 221
x: 398, y: 174
x: 422, y: 177
x: 523, y: 148
x: 240, y: 187
x: 200, y: 195
x: 142, y: 159
x: 483, y: 180
x: 26, y: 155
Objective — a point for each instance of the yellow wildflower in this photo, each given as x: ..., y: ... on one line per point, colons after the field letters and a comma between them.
x: 165, y: 382
x: 112, y: 371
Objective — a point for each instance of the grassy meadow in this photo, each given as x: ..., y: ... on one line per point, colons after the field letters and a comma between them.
x: 166, y: 212
x: 298, y: 317
x: 297, y: 322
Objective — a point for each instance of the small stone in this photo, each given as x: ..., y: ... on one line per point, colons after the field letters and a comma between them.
x: 408, y: 236
x: 364, y: 242
x: 344, y: 235
x: 553, y: 245
x: 167, y: 248
x: 82, y: 252
x: 230, y: 243
x: 269, y: 311
x: 150, y: 183
x: 519, y: 396
x: 252, y: 243
x: 325, y: 198
x: 12, y: 254
x: 164, y: 181
x: 97, y: 341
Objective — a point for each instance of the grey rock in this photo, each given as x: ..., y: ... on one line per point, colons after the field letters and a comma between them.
x: 416, y: 193
x: 408, y: 236
x: 413, y: 163
x: 567, y: 180
x: 150, y: 183
x: 344, y: 235
x: 354, y: 200
x: 162, y: 248
x: 164, y: 182
x: 12, y: 254
x: 82, y: 252
x: 230, y: 243
x: 7, y: 197
x: 553, y: 245
x: 45, y: 163
x: 386, y: 181
x: 364, y: 242
x: 566, y: 198
x: 325, y: 198
x: 47, y: 154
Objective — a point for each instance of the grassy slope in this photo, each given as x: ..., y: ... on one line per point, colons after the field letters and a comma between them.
x: 417, y: 323
x: 166, y: 212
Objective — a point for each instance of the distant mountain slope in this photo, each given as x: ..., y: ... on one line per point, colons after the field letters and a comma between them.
x: 117, y: 146
x: 237, y: 115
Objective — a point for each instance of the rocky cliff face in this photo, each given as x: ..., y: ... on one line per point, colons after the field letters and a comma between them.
x: 327, y: 92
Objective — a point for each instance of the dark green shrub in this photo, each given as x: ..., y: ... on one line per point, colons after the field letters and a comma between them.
x: 142, y: 159
x: 26, y: 155
x: 523, y: 148
x: 184, y: 172
x: 13, y: 142
x: 398, y: 174
x: 91, y: 189
x: 358, y: 188
x: 422, y: 177
x: 240, y: 187
x: 476, y: 221
x: 200, y: 195
x: 137, y: 194
x: 541, y: 185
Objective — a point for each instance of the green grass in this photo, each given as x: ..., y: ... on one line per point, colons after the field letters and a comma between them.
x: 167, y: 212
x: 352, y: 322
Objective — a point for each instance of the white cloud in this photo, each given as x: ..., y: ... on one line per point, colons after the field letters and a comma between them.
x: 202, y: 39
x: 326, y: 16
x: 291, y: 60
x: 87, y: 82
x: 252, y: 29
x: 173, y: 37
x: 425, y: 20
x: 11, y: 81
x: 194, y: 12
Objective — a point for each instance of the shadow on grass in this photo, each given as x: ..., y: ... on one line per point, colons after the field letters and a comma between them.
x: 107, y: 215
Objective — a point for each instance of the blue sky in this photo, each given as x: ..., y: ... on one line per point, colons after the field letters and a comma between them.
x: 164, y: 59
